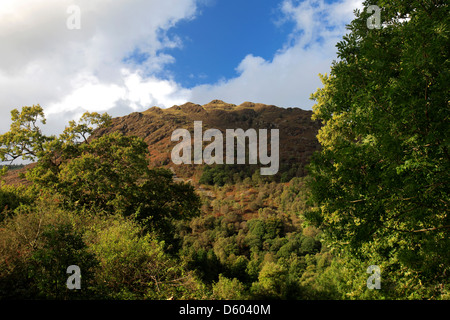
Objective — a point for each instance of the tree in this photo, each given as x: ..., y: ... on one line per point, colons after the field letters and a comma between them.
x: 134, y: 265
x: 227, y: 289
x: 116, y: 257
x: 37, y: 245
x: 107, y: 173
x: 25, y: 138
x: 380, y: 181
x: 62, y: 247
x: 272, y: 282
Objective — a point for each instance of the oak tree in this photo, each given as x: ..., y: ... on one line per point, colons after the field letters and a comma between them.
x: 381, y: 179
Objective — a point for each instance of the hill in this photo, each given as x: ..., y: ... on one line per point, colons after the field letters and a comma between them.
x: 155, y: 125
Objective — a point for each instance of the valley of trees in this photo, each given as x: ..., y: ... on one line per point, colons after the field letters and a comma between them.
x: 376, y: 193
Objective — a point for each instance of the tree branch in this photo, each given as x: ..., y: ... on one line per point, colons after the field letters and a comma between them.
x: 432, y: 229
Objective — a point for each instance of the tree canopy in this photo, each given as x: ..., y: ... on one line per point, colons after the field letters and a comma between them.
x: 108, y: 173
x: 381, y: 179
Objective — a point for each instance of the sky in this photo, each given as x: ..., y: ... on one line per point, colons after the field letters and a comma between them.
x: 122, y: 56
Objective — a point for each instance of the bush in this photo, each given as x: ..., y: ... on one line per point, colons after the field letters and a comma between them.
x: 118, y: 260
x: 134, y: 265
x: 227, y: 289
x: 12, y: 197
x: 272, y: 282
x: 38, y: 244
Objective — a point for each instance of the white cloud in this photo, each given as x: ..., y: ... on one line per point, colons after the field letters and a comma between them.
x: 144, y: 92
x: 70, y: 71
x: 42, y: 61
x: 88, y: 94
x: 292, y: 75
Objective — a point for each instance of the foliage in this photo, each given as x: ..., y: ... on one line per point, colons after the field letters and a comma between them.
x: 128, y: 209
x: 117, y: 259
x: 376, y: 193
x: 226, y: 174
x: 219, y: 175
x: 12, y: 197
x: 134, y: 265
x: 381, y: 179
x: 228, y: 289
x: 272, y: 282
x: 38, y: 244
x: 263, y: 257
x: 107, y: 173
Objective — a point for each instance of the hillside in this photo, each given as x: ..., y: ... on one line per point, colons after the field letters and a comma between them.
x: 297, y: 130
x: 155, y: 125
x: 363, y: 218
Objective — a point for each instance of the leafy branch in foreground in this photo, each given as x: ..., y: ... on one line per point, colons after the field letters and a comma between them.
x: 381, y: 179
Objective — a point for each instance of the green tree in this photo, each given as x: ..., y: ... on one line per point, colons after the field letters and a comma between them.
x: 12, y: 197
x: 37, y: 245
x: 62, y: 247
x: 227, y: 289
x: 133, y: 264
x: 380, y: 181
x: 272, y: 282
x: 108, y: 173
x: 117, y: 258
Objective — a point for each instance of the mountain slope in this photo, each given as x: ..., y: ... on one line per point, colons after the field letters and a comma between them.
x: 155, y: 125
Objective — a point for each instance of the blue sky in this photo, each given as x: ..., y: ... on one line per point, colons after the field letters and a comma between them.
x: 222, y: 35
x: 130, y: 55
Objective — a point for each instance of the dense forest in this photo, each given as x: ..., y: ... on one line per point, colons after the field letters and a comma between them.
x: 376, y: 194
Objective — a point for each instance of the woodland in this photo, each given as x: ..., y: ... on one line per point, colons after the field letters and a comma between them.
x: 376, y: 194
